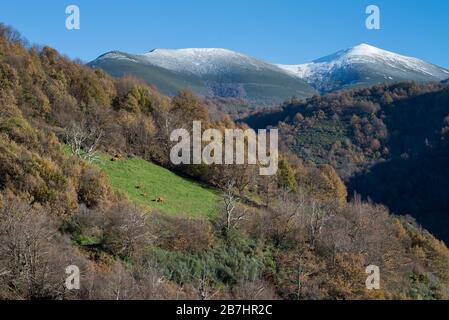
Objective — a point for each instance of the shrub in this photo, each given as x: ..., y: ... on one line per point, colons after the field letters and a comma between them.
x: 93, y: 187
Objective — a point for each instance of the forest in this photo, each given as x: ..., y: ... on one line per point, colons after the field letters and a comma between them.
x: 389, y: 143
x: 296, y: 235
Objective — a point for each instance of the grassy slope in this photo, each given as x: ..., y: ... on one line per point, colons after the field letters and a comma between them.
x: 144, y: 182
x: 167, y: 82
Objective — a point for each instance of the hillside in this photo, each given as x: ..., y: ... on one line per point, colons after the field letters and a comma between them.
x: 155, y: 187
x: 208, y: 72
x: 388, y: 142
x: 302, y: 240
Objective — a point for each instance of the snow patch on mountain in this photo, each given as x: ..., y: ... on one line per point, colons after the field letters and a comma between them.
x: 361, y: 65
x: 386, y: 62
x: 203, y: 61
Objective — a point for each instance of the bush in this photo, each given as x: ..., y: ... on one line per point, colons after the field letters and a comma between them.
x: 33, y: 254
x: 183, y: 234
x: 93, y: 187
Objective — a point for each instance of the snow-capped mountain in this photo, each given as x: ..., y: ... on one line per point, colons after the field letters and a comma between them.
x: 364, y: 65
x: 209, y: 72
x: 207, y: 61
x: 225, y: 73
x: 196, y: 61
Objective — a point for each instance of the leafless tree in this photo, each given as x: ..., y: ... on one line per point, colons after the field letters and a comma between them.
x: 84, y: 141
x: 203, y: 288
x: 253, y: 289
x: 33, y: 255
x: 230, y: 201
x: 125, y: 229
x: 12, y: 35
x: 318, y: 216
x: 302, y: 273
x: 115, y: 284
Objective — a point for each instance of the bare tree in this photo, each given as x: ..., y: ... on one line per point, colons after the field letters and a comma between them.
x: 253, y: 289
x: 125, y: 230
x: 230, y: 202
x: 12, y: 35
x: 318, y: 216
x: 115, y: 284
x: 84, y: 140
x: 203, y: 288
x: 301, y: 273
x: 33, y: 256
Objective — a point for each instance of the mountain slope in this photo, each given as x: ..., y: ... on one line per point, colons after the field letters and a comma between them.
x: 145, y: 183
x: 389, y: 143
x: 364, y: 65
x: 208, y: 72
x: 63, y: 211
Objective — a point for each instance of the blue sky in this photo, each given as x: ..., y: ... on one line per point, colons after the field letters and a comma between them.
x: 282, y: 31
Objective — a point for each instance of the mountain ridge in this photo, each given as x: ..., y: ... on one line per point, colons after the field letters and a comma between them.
x: 219, y: 72
x: 364, y: 65
x: 208, y: 72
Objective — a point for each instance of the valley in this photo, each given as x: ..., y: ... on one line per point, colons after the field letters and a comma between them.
x: 388, y: 142
x: 140, y: 227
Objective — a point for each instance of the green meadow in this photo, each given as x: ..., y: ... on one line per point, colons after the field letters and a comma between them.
x: 157, y: 188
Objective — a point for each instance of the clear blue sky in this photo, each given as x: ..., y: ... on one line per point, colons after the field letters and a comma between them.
x: 282, y: 31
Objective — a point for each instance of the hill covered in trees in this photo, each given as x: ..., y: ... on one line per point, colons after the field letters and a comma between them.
x: 290, y: 236
x: 390, y: 143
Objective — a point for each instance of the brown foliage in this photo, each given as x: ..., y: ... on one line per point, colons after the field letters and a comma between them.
x: 33, y: 254
x: 93, y: 187
x: 183, y: 234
